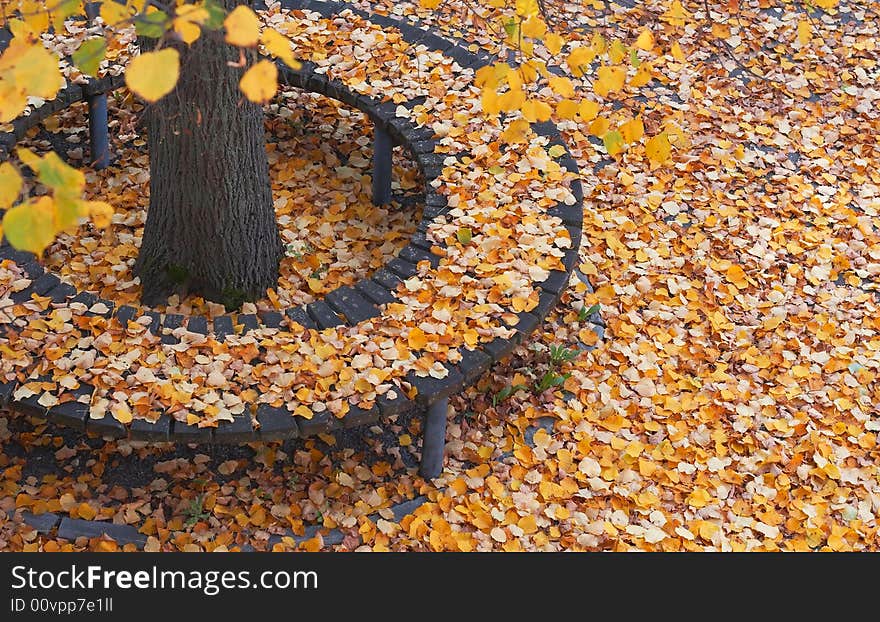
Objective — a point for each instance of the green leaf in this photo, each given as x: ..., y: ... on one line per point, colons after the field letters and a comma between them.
x: 556, y: 151
x: 151, y: 24
x: 634, y: 58
x: 464, y: 235
x: 496, y: 170
x: 63, y: 178
x: 216, y: 15
x: 593, y: 309
x: 511, y: 27
x: 62, y: 10
x: 89, y: 55
x: 613, y: 142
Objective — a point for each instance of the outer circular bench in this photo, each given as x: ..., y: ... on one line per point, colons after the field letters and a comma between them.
x: 347, y: 305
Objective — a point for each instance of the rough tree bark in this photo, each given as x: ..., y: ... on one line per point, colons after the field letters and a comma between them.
x: 211, y: 227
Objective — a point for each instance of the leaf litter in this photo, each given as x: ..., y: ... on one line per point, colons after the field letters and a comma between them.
x: 731, y: 405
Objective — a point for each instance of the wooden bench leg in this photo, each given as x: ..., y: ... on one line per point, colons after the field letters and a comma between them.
x: 99, y: 135
x: 434, y: 439
x: 382, y: 145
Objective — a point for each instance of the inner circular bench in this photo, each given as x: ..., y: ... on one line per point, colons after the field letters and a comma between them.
x: 346, y: 306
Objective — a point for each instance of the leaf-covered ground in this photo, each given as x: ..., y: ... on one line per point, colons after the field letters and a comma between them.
x: 732, y: 404
x: 319, y: 157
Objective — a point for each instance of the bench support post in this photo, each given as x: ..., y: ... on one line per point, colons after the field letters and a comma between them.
x: 434, y: 439
x: 99, y: 136
x: 382, y: 145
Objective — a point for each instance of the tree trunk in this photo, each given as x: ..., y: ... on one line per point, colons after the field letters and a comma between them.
x: 211, y: 227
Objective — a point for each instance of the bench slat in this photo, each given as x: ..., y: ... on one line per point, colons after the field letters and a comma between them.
x: 143, y: 430
x: 73, y: 414
x: 347, y: 301
x: 276, y: 423
x: 299, y: 315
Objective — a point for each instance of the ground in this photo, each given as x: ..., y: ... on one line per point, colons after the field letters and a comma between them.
x: 730, y: 406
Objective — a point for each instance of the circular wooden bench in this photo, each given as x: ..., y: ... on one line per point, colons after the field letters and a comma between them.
x: 347, y: 306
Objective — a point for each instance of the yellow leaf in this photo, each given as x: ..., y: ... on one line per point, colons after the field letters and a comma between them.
x: 516, y: 131
x: 608, y: 79
x: 633, y: 130
x: 826, y: 4
x: 831, y: 471
x: 737, y: 276
x: 562, y: 86
x: 645, y: 40
x: 36, y: 70
x: 527, y: 524
x: 486, y: 77
x: 303, y: 411
x: 279, y: 46
x: 534, y: 27
x: 554, y: 43
x: 242, y: 27
x: 599, y: 126
x: 804, y: 32
x: 708, y: 530
x: 260, y: 82
x: 676, y: 52
x: 417, y: 338
x: 13, y: 101
x: 490, y: 101
x: 534, y: 110
x: 514, y: 80
x: 588, y: 110
x: 643, y: 75
x: 501, y: 70
x: 35, y: 15
x: 67, y: 211
x: 113, y: 13
x: 527, y: 8
x: 579, y: 60
x: 22, y: 31
x: 675, y: 14
x: 658, y: 148
x: 512, y: 100
x: 85, y: 511
x: 699, y: 498
x: 617, y: 52
x: 187, y: 20
x: 28, y: 158
x: 567, y: 109
x: 531, y: 68
x: 10, y: 185
x: 597, y: 44
x: 429, y: 4
x: 152, y: 75
x: 99, y: 212
x: 30, y: 226
x: 121, y: 412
